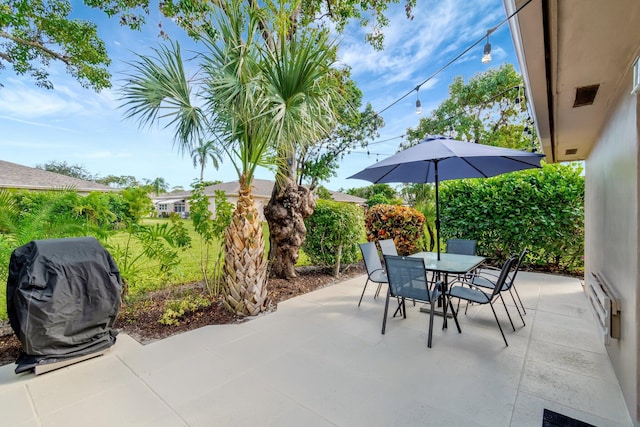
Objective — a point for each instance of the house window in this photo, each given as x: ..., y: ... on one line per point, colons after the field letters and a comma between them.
x: 162, y: 207
x: 179, y: 207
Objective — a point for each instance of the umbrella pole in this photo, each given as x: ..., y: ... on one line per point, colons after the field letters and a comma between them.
x: 437, y: 212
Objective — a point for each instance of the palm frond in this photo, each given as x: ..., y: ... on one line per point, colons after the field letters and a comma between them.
x: 158, y: 90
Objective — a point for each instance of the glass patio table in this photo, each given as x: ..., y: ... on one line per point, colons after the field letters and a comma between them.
x: 448, y: 264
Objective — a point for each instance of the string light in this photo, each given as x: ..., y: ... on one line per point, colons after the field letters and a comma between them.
x: 486, y: 57
x: 448, y: 64
x: 418, y: 103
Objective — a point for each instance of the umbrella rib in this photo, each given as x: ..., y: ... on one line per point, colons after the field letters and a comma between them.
x: 520, y: 161
x: 471, y: 164
x: 385, y: 175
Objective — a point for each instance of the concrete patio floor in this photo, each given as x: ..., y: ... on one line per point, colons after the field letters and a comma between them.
x: 321, y: 361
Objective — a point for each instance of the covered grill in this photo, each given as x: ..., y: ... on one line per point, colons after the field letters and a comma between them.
x: 63, y: 296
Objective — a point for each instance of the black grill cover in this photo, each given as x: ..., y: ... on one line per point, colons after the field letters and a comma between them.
x: 63, y: 296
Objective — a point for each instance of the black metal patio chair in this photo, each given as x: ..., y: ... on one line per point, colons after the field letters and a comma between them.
x: 375, y: 272
x: 469, y: 292
x: 487, y: 277
x: 388, y: 247
x: 408, y: 279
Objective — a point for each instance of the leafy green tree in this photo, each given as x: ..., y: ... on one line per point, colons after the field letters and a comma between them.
x: 122, y: 181
x: 33, y: 33
x: 378, y: 199
x: 249, y: 93
x: 321, y: 159
x: 64, y: 168
x: 138, y: 202
x: 335, y: 229
x: 369, y: 191
x: 489, y: 109
x: 210, y: 230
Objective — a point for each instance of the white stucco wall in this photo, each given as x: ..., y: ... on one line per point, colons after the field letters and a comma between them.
x: 611, y: 231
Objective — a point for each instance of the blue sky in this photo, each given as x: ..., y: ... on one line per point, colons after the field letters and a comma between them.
x: 83, y: 127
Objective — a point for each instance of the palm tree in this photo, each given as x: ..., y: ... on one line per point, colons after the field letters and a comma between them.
x: 204, y: 151
x: 246, y: 89
x: 303, y: 103
x: 158, y: 185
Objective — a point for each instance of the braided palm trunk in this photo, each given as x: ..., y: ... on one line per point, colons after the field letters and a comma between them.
x: 245, y: 263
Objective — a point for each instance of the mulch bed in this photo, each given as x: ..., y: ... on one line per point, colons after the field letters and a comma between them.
x: 140, y: 320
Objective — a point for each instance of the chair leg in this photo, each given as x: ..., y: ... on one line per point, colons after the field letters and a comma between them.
x: 430, y: 335
x: 517, y: 308
x: 455, y: 315
x: 508, y: 315
x: 377, y: 290
x: 386, y: 308
x: 498, y: 322
x: 365, y: 288
x: 400, y: 308
x: 518, y: 295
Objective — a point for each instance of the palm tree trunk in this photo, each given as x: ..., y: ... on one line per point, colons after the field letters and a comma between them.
x: 286, y: 211
x: 245, y: 263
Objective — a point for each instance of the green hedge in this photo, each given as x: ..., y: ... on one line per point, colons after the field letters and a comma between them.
x: 542, y: 209
x: 334, y: 224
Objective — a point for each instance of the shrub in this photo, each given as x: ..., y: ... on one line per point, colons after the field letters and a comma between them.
x: 333, y: 233
x: 401, y: 223
x: 542, y: 209
x: 175, y: 309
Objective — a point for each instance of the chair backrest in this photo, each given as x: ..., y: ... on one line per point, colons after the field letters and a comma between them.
x: 407, y: 277
x: 370, y: 256
x: 504, y: 275
x: 516, y: 267
x: 388, y: 247
x: 461, y: 246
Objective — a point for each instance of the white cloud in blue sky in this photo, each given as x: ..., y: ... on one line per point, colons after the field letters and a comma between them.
x: 80, y: 126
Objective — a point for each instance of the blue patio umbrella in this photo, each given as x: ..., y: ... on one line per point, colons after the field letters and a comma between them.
x: 438, y: 158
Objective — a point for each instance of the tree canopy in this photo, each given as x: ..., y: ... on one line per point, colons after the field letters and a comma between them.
x: 490, y: 109
x: 33, y: 33
x: 36, y: 33
x: 64, y: 168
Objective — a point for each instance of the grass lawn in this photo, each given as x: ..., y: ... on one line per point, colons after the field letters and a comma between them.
x: 187, y: 271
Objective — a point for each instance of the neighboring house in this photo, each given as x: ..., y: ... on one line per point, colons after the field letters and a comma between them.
x: 577, y: 59
x: 262, y: 188
x: 14, y: 176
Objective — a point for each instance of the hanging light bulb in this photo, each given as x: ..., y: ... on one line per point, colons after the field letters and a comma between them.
x: 486, y: 57
x: 418, y: 103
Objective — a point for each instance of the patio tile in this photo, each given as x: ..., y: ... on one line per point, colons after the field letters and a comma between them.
x: 587, y: 394
x: 64, y: 387
x: 189, y: 378
x: 299, y: 415
x: 567, y: 330
x: 245, y: 402
x: 529, y: 412
x: 129, y: 404
x: 183, y: 347
x: 589, y: 363
x: 15, y: 408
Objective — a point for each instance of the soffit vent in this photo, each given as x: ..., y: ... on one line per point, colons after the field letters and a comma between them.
x: 571, y: 151
x: 585, y: 95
